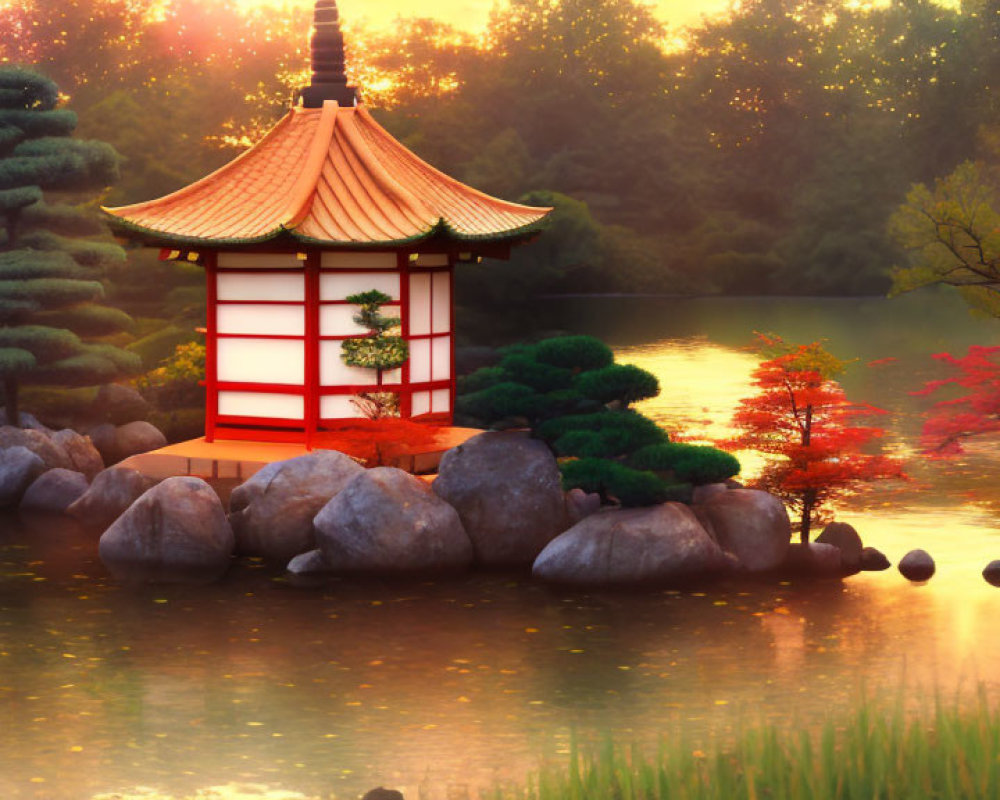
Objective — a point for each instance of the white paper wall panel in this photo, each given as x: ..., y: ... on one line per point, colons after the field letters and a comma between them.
x: 420, y: 304
x: 338, y: 406
x: 442, y: 359
x: 420, y: 360
x: 358, y: 261
x: 338, y: 320
x: 334, y: 372
x: 392, y: 376
x: 261, y: 361
x: 338, y: 287
x: 432, y: 260
x: 441, y: 401
x: 260, y: 261
x: 421, y: 404
x: 442, y: 302
x: 240, y: 286
x: 268, y: 320
x: 259, y: 404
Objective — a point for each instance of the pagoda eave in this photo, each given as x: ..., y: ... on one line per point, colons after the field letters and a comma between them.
x: 440, y: 237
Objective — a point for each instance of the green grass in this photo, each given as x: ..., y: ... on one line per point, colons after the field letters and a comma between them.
x: 947, y: 753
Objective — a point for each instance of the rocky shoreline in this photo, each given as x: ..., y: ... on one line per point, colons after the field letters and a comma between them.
x: 497, y: 502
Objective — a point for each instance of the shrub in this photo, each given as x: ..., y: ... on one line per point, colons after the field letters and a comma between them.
x: 522, y: 368
x: 567, y: 401
x: 697, y: 464
x: 499, y: 402
x: 630, y: 487
x: 631, y: 429
x: 577, y: 353
x: 482, y: 378
x: 625, y: 383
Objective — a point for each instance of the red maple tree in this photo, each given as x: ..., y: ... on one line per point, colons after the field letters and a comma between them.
x: 975, y: 412
x: 803, y: 421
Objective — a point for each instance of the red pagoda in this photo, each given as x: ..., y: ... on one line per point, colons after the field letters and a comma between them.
x: 326, y: 205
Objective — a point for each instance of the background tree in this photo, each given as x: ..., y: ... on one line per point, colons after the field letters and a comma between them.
x: 380, y: 350
x: 973, y: 409
x: 53, y: 255
x: 801, y: 419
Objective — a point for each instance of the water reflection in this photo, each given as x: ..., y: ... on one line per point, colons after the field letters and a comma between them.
x: 439, y: 688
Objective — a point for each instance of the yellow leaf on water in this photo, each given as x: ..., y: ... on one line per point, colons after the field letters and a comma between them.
x: 531, y: 630
x: 76, y: 749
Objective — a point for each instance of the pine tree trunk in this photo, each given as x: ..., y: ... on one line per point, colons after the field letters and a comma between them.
x: 10, y: 389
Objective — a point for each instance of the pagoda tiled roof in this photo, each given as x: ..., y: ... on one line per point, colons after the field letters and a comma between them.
x: 329, y: 176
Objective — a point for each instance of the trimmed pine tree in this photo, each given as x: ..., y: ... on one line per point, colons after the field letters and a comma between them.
x: 54, y: 249
x: 380, y: 350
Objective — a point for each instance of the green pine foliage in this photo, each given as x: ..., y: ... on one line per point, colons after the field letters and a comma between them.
x: 575, y: 398
x: 54, y: 251
x: 689, y: 463
x: 618, y: 383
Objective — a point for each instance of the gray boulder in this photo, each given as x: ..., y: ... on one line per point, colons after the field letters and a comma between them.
x: 507, y: 490
x: 104, y: 438
x: 387, y: 521
x: 702, y: 494
x: 581, y: 504
x: 992, y: 573
x: 119, y: 404
x: 19, y: 467
x: 25, y: 420
x: 54, y: 491
x: 751, y: 524
x: 112, y: 491
x: 272, y: 513
x: 37, y: 442
x: 814, y: 559
x: 873, y: 560
x: 846, y: 539
x: 177, y: 531
x: 134, y: 438
x: 917, y: 565
x: 661, y: 544
x: 311, y: 563
x: 81, y: 451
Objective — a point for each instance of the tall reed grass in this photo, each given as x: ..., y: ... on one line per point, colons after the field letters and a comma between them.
x: 943, y: 753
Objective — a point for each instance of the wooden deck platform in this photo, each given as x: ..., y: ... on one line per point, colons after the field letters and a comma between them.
x: 235, y: 461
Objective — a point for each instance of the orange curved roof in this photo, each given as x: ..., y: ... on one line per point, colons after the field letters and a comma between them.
x: 326, y: 176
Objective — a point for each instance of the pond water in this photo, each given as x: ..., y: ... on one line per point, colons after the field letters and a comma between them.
x: 440, y: 688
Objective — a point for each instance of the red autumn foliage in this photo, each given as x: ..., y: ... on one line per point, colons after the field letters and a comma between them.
x: 378, y: 442
x: 802, y: 419
x: 974, y: 412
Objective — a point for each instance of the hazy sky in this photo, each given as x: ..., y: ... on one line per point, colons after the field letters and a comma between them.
x: 472, y: 14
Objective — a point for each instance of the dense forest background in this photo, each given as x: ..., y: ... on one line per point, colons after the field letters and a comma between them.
x: 763, y: 152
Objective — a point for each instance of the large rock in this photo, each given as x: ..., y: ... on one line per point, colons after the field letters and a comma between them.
x: 175, y: 531
x: 387, y: 521
x: 132, y: 439
x: 917, y: 565
x: 81, y: 452
x: 119, y: 404
x: 112, y: 491
x: 54, y: 491
x: 750, y: 524
x: 507, y: 490
x: 662, y: 544
x: 272, y: 513
x: 37, y: 442
x: 814, y: 559
x: 846, y: 539
x: 19, y: 467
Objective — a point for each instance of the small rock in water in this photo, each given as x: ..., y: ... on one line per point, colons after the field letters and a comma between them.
x: 917, y: 565
x: 378, y: 793
x: 992, y: 573
x: 845, y: 538
x: 874, y: 560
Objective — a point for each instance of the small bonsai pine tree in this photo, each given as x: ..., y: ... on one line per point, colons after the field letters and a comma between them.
x: 52, y: 256
x: 379, y: 350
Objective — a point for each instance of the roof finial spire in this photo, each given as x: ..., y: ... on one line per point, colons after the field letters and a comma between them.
x: 329, y: 82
